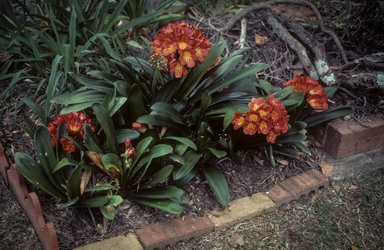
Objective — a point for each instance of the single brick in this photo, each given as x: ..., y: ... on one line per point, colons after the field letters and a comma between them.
x: 116, y: 243
x: 31, y: 206
x: 297, y: 186
x: 240, y: 210
x: 346, y: 138
x: 170, y: 232
x: 4, y: 167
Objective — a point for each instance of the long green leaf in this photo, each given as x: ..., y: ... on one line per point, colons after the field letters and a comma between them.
x: 106, y: 123
x: 327, y: 115
x: 190, y: 159
x: 47, y: 156
x: 162, y: 204
x: 73, y: 184
x: 35, y: 174
x: 198, y: 71
x: 161, y: 192
x: 217, y: 183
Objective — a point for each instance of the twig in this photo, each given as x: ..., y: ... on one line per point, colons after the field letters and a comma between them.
x: 243, y: 33
x: 295, y: 45
x: 321, y: 63
x: 268, y: 5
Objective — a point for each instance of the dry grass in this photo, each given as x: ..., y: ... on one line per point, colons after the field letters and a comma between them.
x: 347, y: 214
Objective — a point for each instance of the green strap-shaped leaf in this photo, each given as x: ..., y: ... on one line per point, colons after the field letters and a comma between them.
x: 187, y: 178
x: 217, y: 183
x: 36, y: 108
x: 166, y: 110
x: 167, y: 91
x: 197, y: 72
x: 329, y: 91
x: 158, y: 177
x: 131, y: 134
x: 101, y: 187
x: 111, y: 160
x: 190, y: 159
x: 302, y: 147
x: 84, y: 96
x: 65, y: 162
x: 108, y: 211
x: 183, y: 140
x: 327, y: 115
x: 106, y: 123
x: 228, y: 118
x: 161, y: 121
x: 70, y: 203
x: 47, y: 156
x: 136, y: 104
x: 35, y: 174
x: 73, y: 184
x: 283, y: 93
x: 218, y: 153
x: 97, y: 201
x: 96, y: 84
x: 287, y: 151
x: 114, y: 200
x: 161, y: 204
x: 161, y: 192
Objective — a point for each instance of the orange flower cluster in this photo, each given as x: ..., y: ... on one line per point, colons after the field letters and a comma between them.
x: 74, y: 122
x: 317, y: 99
x: 181, y: 45
x: 266, y: 118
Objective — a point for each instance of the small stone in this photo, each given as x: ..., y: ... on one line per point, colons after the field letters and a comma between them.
x: 327, y: 168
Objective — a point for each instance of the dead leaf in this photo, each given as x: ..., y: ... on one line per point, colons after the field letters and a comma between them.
x: 261, y: 39
x: 352, y: 79
x: 237, y: 240
x: 84, y: 179
x: 353, y: 247
x: 96, y: 158
x: 283, y: 162
x: 298, y: 72
x: 327, y: 168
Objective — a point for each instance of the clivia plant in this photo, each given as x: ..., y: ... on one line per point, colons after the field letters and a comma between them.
x: 156, y: 123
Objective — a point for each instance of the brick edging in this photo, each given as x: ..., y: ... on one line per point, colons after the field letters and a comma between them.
x: 30, y: 203
x: 180, y: 229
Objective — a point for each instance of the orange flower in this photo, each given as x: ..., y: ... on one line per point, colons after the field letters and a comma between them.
x: 249, y: 128
x: 317, y: 99
x: 264, y: 127
x: 177, y: 69
x: 74, y: 123
x: 238, y: 120
x: 252, y: 117
x: 265, y: 111
x: 187, y: 57
x: 67, y: 145
x: 266, y: 118
x: 271, y: 136
x: 181, y: 45
x: 255, y: 104
x: 140, y: 127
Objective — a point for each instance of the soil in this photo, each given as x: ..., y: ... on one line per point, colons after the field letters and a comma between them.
x: 79, y: 226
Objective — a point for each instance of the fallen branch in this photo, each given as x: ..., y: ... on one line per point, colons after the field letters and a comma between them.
x: 295, y: 45
x: 321, y: 64
x: 268, y: 5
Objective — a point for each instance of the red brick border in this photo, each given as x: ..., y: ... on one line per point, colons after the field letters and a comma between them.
x: 341, y: 139
x: 171, y: 232
x: 4, y: 167
x: 30, y: 203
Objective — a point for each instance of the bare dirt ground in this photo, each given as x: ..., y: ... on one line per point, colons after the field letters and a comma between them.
x: 348, y: 214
